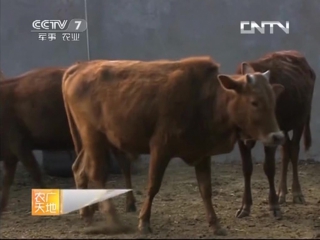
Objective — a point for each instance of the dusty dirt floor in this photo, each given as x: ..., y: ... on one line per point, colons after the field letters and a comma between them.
x: 178, y: 211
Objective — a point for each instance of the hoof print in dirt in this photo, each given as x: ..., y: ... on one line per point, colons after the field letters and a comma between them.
x: 220, y: 232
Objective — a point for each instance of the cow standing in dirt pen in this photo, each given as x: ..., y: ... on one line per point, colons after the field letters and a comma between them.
x: 293, y: 112
x: 166, y: 108
x: 32, y: 116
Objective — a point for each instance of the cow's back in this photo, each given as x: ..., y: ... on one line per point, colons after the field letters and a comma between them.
x: 291, y: 69
x: 32, y: 106
x: 132, y: 101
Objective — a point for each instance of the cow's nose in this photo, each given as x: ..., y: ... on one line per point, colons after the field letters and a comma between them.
x: 277, y: 138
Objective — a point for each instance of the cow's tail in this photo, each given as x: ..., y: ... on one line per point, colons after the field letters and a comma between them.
x: 72, y: 125
x: 307, y: 134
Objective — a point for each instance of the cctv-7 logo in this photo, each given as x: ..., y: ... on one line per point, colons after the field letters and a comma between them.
x: 78, y: 24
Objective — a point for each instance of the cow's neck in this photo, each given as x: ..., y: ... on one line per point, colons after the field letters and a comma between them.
x: 226, y: 130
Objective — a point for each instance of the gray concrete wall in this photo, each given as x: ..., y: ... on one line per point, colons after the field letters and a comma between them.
x: 153, y: 29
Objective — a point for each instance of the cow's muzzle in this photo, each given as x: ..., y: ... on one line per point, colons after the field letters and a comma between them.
x: 274, y: 139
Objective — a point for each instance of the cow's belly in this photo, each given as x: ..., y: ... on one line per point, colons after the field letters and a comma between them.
x: 130, y: 141
x: 133, y: 134
x: 220, y: 144
x: 223, y: 147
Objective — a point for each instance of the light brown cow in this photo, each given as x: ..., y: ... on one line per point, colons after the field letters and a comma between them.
x: 32, y: 116
x: 168, y: 109
x: 293, y: 111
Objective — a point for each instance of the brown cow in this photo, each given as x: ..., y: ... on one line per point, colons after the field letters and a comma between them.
x: 1, y: 79
x: 168, y: 109
x: 290, y: 69
x: 32, y: 116
x: 1, y: 76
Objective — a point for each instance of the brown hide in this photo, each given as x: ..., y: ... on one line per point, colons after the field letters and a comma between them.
x: 32, y: 108
x: 165, y: 108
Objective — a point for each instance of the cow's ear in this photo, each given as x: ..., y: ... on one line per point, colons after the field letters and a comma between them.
x: 246, y: 68
x: 230, y: 84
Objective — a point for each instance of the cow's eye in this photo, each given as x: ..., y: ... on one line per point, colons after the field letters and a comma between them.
x: 254, y: 103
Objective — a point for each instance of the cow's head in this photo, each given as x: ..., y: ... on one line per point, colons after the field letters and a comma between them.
x: 252, y: 104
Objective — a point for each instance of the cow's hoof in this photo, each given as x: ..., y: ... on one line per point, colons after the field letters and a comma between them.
x: 144, y: 228
x: 298, y: 198
x: 3, y: 210
x: 131, y: 208
x: 242, y: 212
x: 276, y: 212
x: 220, y: 231
x: 282, y: 199
x: 87, y: 221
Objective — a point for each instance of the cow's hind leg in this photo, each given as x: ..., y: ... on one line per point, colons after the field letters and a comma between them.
x: 158, y: 163
x: 285, y: 152
x: 10, y: 166
x: 81, y: 181
x: 125, y: 165
x: 295, y: 147
x: 247, y: 169
x: 1, y: 176
x: 270, y: 171
x: 94, y: 144
x: 203, y: 174
x: 24, y: 154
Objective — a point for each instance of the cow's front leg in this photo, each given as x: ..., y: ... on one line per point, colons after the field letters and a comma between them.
x: 203, y: 173
x: 158, y: 163
x: 270, y: 170
x: 247, y: 169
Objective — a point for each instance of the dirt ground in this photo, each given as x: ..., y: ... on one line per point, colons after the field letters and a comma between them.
x: 178, y: 211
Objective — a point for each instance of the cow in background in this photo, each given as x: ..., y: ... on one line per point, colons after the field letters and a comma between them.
x: 293, y: 112
x: 1, y: 79
x: 33, y: 117
x: 169, y: 109
x: 1, y: 76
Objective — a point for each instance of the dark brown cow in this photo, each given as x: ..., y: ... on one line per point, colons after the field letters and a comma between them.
x: 168, y: 109
x: 32, y: 116
x: 290, y: 69
x: 1, y: 76
x: 1, y: 79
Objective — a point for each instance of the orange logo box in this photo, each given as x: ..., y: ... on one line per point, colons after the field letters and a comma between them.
x: 45, y: 202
